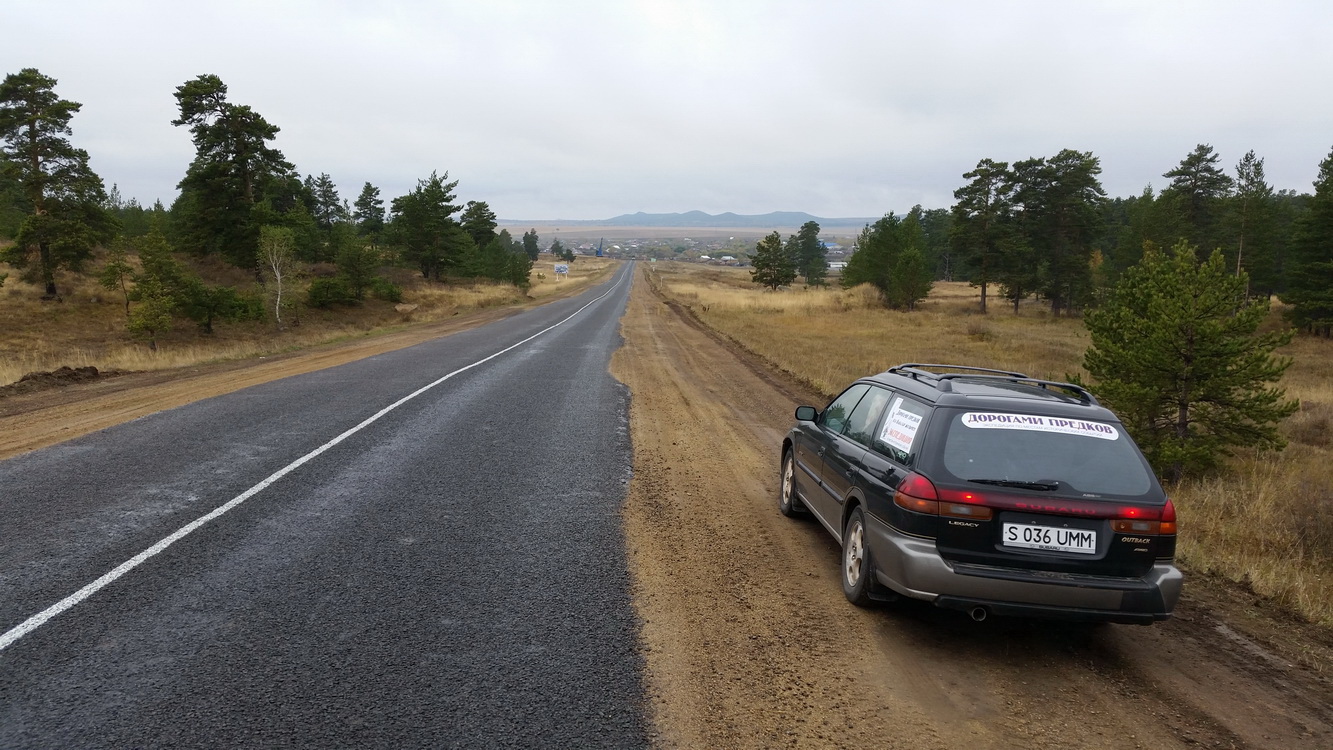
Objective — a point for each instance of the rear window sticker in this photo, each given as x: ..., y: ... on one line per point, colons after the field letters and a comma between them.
x: 984, y: 420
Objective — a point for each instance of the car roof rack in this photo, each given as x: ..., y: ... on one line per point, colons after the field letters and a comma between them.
x: 943, y: 380
x: 914, y: 371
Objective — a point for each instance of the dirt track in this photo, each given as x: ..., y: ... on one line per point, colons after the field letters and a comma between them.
x: 750, y: 642
x: 748, y: 639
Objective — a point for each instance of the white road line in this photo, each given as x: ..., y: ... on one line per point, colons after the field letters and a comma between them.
x: 39, y: 619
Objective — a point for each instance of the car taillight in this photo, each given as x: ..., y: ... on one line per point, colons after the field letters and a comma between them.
x: 1146, y: 520
x: 963, y: 510
x: 965, y: 504
x: 917, y: 494
x: 1168, y: 525
x: 1132, y: 526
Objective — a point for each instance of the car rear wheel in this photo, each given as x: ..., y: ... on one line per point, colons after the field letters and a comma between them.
x: 788, y: 504
x: 858, y: 577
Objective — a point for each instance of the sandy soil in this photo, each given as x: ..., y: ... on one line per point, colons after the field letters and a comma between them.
x: 748, y: 640
x: 750, y: 643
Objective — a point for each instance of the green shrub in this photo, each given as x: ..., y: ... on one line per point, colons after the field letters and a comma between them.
x: 386, y: 290
x: 330, y: 292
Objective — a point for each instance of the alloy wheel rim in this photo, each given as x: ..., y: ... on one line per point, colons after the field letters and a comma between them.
x: 855, y: 554
x: 786, y: 482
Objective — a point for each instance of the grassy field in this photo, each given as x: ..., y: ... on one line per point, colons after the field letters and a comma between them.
x: 1266, y: 522
x: 88, y: 326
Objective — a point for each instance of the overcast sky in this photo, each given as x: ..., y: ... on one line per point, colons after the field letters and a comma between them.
x: 586, y: 110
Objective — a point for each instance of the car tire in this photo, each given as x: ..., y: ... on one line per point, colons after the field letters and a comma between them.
x: 858, y: 575
x: 789, y: 504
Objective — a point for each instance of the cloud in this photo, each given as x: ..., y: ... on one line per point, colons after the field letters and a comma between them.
x: 591, y: 109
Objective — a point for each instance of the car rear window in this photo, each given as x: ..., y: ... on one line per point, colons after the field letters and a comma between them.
x: 1085, y: 456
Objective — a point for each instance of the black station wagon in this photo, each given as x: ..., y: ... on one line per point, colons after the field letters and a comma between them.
x: 985, y: 491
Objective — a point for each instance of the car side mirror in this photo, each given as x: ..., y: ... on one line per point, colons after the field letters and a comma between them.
x: 806, y: 413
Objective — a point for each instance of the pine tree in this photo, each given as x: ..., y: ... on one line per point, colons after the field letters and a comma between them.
x: 233, y: 172
x: 518, y: 269
x: 808, y: 253
x: 368, y: 211
x: 118, y: 273
x: 478, y: 221
x: 309, y: 242
x: 1251, y: 222
x: 530, y: 245
x: 158, y: 262
x: 1199, y: 186
x: 206, y: 303
x: 559, y: 250
x: 152, y: 316
x: 980, y: 219
x: 872, y: 257
x: 1147, y: 218
x: 936, y: 226
x: 63, y: 200
x: 358, y: 260
x: 1057, y: 210
x: 911, y: 279
x: 1176, y: 353
x: 773, y: 266
x: 326, y: 206
x: 1310, y: 277
x: 424, y: 228
x: 889, y: 257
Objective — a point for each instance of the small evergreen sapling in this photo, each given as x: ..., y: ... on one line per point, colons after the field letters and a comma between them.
x: 1177, y: 354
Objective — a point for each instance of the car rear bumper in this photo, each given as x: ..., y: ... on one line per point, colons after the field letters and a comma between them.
x: 913, y: 567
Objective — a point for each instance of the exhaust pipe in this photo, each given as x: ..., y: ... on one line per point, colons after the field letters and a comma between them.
x: 978, y: 613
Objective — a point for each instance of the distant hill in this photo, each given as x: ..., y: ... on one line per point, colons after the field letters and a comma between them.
x: 772, y: 220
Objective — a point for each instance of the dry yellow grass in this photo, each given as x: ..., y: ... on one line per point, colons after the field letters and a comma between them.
x: 583, y: 271
x: 1267, y: 521
x: 87, y: 328
x: 800, y: 330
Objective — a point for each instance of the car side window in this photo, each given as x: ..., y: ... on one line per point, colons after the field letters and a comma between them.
x: 835, y: 416
x: 898, y: 436
x: 866, y: 415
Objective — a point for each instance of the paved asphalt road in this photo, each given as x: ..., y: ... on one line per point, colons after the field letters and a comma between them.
x: 451, y: 574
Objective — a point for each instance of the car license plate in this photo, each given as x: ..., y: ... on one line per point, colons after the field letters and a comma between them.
x: 1028, y: 536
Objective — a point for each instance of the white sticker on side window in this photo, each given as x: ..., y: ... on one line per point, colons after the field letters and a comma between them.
x: 900, y: 428
x: 1041, y: 424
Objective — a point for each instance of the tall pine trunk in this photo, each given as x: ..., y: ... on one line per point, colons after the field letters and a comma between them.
x: 48, y: 270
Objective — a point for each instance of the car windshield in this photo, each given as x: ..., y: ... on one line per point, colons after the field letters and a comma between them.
x: 1044, y: 453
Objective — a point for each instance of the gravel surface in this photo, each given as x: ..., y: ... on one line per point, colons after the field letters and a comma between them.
x: 453, y: 574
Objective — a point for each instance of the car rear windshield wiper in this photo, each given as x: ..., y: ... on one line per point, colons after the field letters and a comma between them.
x: 1047, y: 485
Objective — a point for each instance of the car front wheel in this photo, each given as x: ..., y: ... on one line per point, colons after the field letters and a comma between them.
x: 857, y: 575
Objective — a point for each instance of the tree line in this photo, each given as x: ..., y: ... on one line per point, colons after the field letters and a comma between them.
x: 1044, y: 228
x: 1173, y: 286
x: 240, y: 201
